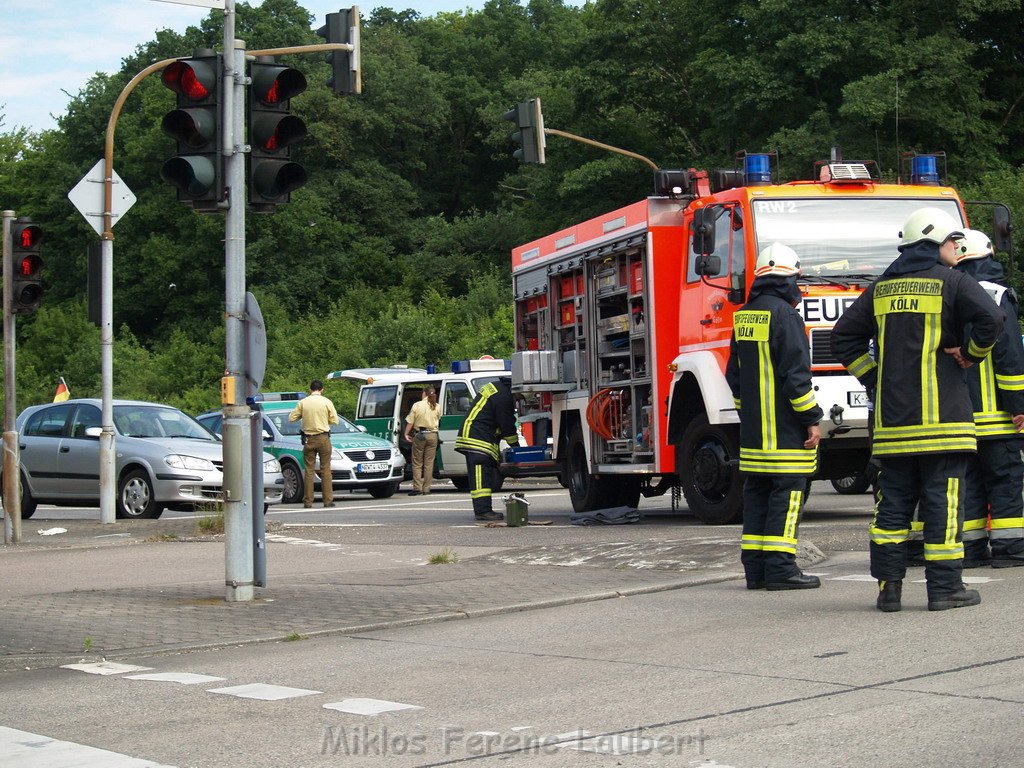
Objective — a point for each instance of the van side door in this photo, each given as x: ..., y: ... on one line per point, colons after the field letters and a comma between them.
x: 456, y: 400
x: 376, y: 411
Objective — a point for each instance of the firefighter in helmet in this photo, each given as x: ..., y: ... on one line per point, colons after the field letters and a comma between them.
x: 491, y: 419
x: 769, y: 373
x: 995, y: 475
x: 917, y: 313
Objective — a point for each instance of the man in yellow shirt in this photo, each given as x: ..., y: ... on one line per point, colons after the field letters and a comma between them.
x: 317, y: 413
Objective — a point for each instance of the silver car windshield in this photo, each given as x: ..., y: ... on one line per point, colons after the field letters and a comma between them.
x: 840, y: 237
x: 154, y: 421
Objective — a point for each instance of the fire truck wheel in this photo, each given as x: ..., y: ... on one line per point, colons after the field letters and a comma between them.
x: 627, y: 491
x: 707, y: 462
x: 586, y: 491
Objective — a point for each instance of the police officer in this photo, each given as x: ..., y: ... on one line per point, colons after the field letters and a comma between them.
x: 995, y: 476
x: 916, y: 312
x: 317, y: 414
x: 769, y: 373
x: 491, y: 419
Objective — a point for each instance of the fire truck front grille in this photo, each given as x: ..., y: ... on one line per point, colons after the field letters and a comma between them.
x: 821, y: 347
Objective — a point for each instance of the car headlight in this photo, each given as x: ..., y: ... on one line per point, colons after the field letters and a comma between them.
x: 188, y: 462
x: 272, y: 466
x: 336, y: 455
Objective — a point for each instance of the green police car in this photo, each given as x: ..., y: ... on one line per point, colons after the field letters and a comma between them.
x: 359, y: 461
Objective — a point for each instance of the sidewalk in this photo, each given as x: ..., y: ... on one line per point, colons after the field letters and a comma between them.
x: 320, y: 582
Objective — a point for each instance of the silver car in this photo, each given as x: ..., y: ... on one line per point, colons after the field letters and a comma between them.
x: 164, y: 458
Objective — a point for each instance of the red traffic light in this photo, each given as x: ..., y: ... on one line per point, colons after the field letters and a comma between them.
x: 195, y: 80
x: 28, y: 237
x: 274, y: 85
x: 29, y: 265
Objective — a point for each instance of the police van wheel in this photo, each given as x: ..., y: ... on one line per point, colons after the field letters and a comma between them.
x: 855, y: 484
x: 383, y: 490
x: 293, y: 483
x: 707, y: 462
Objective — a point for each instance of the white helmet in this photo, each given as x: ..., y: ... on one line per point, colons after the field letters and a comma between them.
x: 777, y: 259
x: 931, y: 224
x: 975, y: 245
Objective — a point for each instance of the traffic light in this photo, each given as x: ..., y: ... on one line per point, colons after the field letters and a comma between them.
x: 530, y: 136
x: 26, y: 275
x: 343, y: 27
x: 272, y: 131
x: 197, y: 170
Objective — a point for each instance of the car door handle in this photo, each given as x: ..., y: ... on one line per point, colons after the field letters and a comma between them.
x: 706, y: 321
x: 65, y: 449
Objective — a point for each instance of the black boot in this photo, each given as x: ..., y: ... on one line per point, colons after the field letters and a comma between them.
x: 889, y: 595
x: 960, y: 599
x: 799, y: 581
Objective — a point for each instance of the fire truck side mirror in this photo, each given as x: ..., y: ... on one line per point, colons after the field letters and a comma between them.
x: 709, y: 266
x: 704, y: 231
x: 1001, y: 228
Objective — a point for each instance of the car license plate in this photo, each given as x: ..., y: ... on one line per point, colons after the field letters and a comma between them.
x: 377, y: 466
x: 858, y: 399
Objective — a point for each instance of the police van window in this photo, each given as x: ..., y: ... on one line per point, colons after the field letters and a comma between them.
x: 49, y: 422
x: 377, y: 402
x: 86, y: 416
x: 728, y: 241
x: 457, y: 400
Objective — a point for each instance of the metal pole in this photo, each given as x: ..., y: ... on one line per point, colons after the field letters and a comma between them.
x: 12, y: 484
x: 238, y: 501
x: 108, y: 474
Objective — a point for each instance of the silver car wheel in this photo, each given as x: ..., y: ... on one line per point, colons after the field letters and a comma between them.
x: 136, y: 497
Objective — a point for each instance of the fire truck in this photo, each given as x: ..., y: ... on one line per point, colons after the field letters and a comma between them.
x: 623, y: 322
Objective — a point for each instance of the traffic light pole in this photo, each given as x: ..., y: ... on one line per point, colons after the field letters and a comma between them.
x: 12, y: 486
x: 239, y: 504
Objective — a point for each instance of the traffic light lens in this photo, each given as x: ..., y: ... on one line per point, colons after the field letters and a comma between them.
x: 29, y: 265
x: 182, y: 78
x: 29, y: 237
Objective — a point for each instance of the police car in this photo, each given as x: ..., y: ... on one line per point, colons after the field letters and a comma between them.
x: 359, y: 461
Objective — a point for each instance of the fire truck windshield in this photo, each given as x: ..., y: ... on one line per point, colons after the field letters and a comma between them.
x: 840, y: 236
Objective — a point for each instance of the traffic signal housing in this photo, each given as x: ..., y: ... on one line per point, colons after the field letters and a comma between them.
x: 343, y: 27
x: 272, y: 132
x: 197, y: 170
x: 27, y: 267
x: 530, y: 134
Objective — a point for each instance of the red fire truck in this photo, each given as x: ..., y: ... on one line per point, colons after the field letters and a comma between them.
x: 623, y: 323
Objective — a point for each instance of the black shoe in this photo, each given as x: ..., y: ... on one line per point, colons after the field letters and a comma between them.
x: 1005, y: 562
x: 800, y: 581
x: 889, y: 594
x: 961, y: 599
x: 490, y: 516
x: 413, y: 493
x: 755, y: 584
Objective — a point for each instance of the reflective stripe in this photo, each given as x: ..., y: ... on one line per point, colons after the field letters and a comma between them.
x: 974, y: 525
x: 1010, y: 383
x: 917, y: 525
x: 953, y: 551
x: 957, y: 445
x: 949, y: 428
x: 975, y: 351
x: 861, y: 365
x: 752, y: 542
x: 766, y: 373
x: 929, y: 374
x: 883, y: 536
x: 736, y: 402
x: 986, y: 377
x: 792, y: 515
x: 952, y: 510
x: 804, y: 402
x: 1007, y: 522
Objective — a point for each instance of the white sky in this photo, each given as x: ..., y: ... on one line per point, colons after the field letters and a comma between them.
x: 48, y: 47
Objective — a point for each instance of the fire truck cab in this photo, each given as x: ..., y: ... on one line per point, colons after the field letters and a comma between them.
x: 623, y: 323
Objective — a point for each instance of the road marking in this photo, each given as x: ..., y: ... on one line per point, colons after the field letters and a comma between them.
x: 185, y: 678
x: 105, y: 668
x: 21, y: 749
x: 263, y: 692
x: 368, y: 706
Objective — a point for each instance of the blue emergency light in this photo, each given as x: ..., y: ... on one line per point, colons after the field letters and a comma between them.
x: 757, y: 170
x: 924, y: 170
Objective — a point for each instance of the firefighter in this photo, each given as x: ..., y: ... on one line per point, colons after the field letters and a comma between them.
x: 491, y: 419
x: 769, y: 373
x: 995, y: 476
x: 916, y: 313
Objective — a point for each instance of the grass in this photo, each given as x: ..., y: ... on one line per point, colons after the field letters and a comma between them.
x: 295, y: 636
x: 87, y: 643
x: 163, y: 537
x: 444, y: 557
x: 212, y: 520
